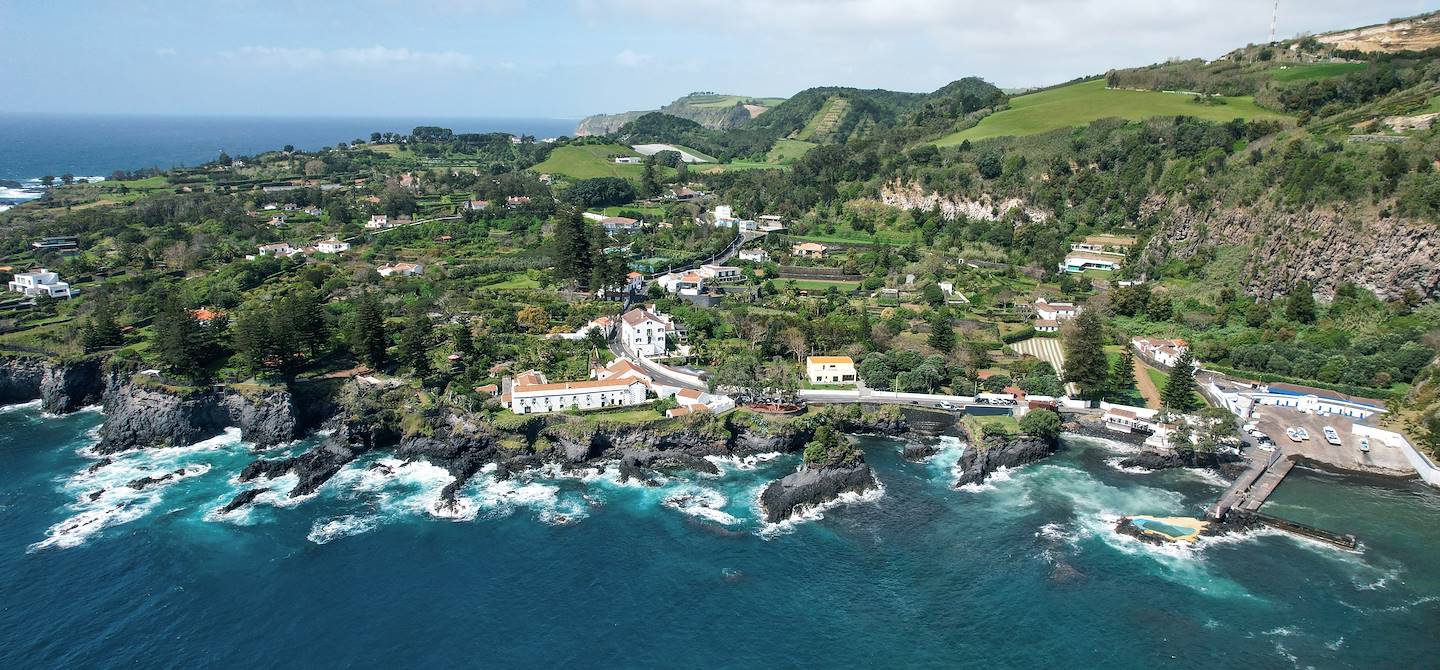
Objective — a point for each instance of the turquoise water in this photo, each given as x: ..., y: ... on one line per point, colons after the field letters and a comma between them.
x: 584, y: 572
x: 1161, y: 527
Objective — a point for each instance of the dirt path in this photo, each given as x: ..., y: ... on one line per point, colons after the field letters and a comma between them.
x: 1146, y: 385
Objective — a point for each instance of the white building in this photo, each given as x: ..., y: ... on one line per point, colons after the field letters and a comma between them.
x: 1047, y: 326
x: 1055, y: 311
x: 755, y: 255
x: 809, y: 250
x: 333, y: 246
x: 378, y: 222
x: 276, y: 249
x: 401, y: 269
x: 1164, y: 352
x: 687, y: 283
x: 613, y: 224
x: 1080, y: 261
x: 719, y: 273
x: 40, y: 282
x: 531, y: 393
x: 629, y: 160
x: 601, y: 324
x: 648, y: 333
x: 830, y: 370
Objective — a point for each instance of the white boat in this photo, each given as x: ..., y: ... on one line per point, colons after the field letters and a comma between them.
x: 1331, y: 435
x: 1293, y: 434
x: 1365, y: 445
x: 1302, y: 433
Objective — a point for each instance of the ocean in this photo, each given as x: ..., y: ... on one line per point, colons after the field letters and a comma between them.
x: 581, y: 571
x: 35, y: 145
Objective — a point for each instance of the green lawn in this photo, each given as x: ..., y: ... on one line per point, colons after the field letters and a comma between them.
x: 825, y: 120
x: 786, y: 151
x: 1315, y: 71
x: 594, y: 160
x: 1079, y: 104
x: 1160, y: 379
x: 514, y: 283
x: 1004, y: 422
x: 817, y: 284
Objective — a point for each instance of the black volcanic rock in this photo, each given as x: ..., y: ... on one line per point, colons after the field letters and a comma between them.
x: 997, y: 451
x: 811, y: 486
x: 1151, y: 459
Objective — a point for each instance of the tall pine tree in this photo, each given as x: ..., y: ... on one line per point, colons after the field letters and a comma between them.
x: 1085, y: 362
x: 942, y: 332
x: 413, y: 349
x: 1122, y: 376
x: 1179, y: 393
x: 182, y: 345
x: 367, y: 333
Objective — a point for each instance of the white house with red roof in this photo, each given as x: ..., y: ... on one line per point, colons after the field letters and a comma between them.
x: 1055, y: 311
x: 648, y: 333
x: 1164, y: 352
x: 532, y: 393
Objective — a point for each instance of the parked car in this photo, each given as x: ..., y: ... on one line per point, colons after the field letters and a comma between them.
x: 947, y: 405
x: 1331, y: 435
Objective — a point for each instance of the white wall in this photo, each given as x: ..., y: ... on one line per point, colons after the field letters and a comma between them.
x: 1427, y: 470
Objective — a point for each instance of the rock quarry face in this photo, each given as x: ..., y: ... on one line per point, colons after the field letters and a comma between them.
x: 1325, y: 248
x: 976, y: 464
x: 813, y: 486
x: 913, y: 196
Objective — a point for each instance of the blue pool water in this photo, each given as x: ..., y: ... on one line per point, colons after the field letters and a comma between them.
x: 584, y: 572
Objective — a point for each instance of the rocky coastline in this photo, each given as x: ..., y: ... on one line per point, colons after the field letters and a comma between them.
x: 983, y: 457
x: 814, y: 486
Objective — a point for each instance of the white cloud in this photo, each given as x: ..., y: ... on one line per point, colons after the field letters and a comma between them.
x: 629, y: 58
x: 166, y: 52
x: 364, y: 57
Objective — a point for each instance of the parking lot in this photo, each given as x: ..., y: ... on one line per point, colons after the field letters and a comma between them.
x: 1382, y: 458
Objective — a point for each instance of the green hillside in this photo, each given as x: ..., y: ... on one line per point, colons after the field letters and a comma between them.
x: 1081, y: 103
x: 587, y: 161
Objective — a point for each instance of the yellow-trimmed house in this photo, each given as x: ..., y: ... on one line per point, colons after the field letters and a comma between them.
x: 830, y: 370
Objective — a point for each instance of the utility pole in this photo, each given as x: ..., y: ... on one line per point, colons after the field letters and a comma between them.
x: 1274, y: 14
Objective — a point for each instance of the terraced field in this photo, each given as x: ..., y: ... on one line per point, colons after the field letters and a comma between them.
x: 1079, y: 104
x: 825, y: 121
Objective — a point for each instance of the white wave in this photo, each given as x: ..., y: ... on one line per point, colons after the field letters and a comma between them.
x: 1104, y: 442
x: 20, y: 407
x: 104, y: 498
x: 1115, y: 463
x: 813, y: 512
x: 1000, y: 474
x: 743, y: 463
x: 328, y: 530
x: 701, y: 502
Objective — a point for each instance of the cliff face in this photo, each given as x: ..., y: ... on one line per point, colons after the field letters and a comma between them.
x: 60, y: 386
x: 914, y: 196
x: 714, y: 118
x: 1325, y: 248
x: 139, y: 416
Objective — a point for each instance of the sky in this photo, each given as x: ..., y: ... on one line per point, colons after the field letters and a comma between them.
x: 571, y: 58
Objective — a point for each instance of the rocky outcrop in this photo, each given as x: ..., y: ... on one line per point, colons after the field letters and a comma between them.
x: 1001, y: 451
x: 139, y: 414
x: 919, y: 452
x: 314, y: 467
x: 810, y: 487
x: 61, y: 386
x: 459, y: 445
x: 242, y: 499
x: 20, y: 378
x: 914, y: 196
x: 584, y: 442
x: 1151, y: 459
x: 1324, y: 247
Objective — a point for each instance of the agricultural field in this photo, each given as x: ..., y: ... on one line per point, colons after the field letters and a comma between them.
x: 826, y: 120
x: 786, y: 150
x: 1079, y: 104
x: 593, y: 160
